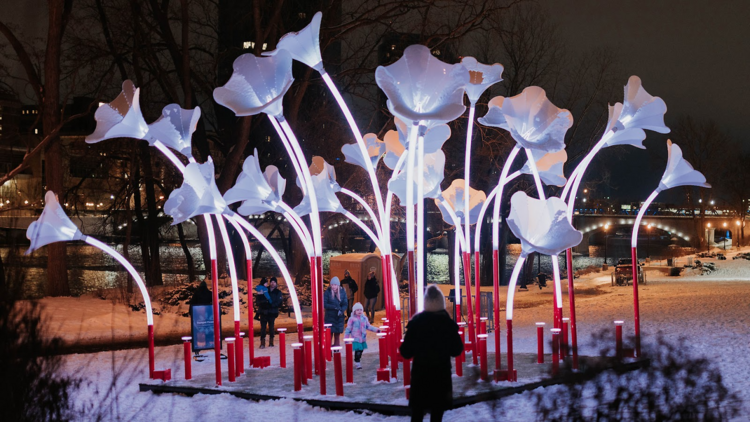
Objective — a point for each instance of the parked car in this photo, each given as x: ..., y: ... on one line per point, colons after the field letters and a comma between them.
x: 721, y: 257
x: 623, y: 275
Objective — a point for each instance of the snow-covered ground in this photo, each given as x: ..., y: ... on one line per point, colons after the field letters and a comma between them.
x: 712, y: 311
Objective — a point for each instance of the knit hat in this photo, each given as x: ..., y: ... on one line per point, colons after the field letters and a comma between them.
x: 335, y: 281
x: 434, y: 300
x: 357, y: 306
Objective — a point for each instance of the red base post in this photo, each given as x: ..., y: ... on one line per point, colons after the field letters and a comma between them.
x: 308, y: 358
x: 382, y: 350
x: 282, y: 347
x: 618, y: 339
x: 237, y: 350
x: 349, y: 360
x: 336, y: 351
x: 188, y: 362
x: 230, y: 358
x: 483, y: 356
x: 459, y: 360
x: 564, y: 349
x: 241, y: 354
x: 298, y: 366
x: 572, y: 310
x: 539, y: 342
x: 555, y: 351
x: 511, y: 370
x: 151, y: 353
x: 327, y: 343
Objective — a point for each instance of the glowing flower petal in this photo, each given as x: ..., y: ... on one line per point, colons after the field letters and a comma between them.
x: 395, y: 141
x: 375, y: 150
x: 175, y: 128
x: 549, y: 165
x: 257, y: 189
x: 257, y: 85
x: 197, y: 195
x: 495, y: 116
x: 52, y: 226
x: 679, y: 172
x: 420, y: 87
x: 121, y: 118
x: 304, y: 46
x: 454, y: 196
x: 541, y: 225
x: 481, y: 77
x: 434, y: 167
x: 640, y: 111
x: 325, y: 186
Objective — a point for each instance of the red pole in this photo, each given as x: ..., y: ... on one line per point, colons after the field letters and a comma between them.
x: 298, y: 366
x: 230, y: 358
x: 618, y: 339
x: 237, y: 349
x: 462, y: 330
x: 308, y: 357
x: 636, y: 309
x: 496, y: 307
x: 459, y: 361
x: 382, y: 346
x: 349, y: 361
x: 509, y: 326
x: 241, y: 354
x: 539, y: 342
x: 572, y: 303
x: 477, y: 295
x: 151, y: 352
x: 217, y: 325
x: 315, y: 308
x: 282, y: 347
x: 336, y: 350
x: 412, y: 284
x: 555, y: 351
x: 483, y: 325
x: 327, y: 341
x: 322, y: 371
x: 564, y: 340
x: 483, y: 356
x: 469, y: 311
x: 250, y: 315
x: 188, y: 364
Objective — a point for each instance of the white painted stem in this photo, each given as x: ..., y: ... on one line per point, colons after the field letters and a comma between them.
x: 512, y: 287
x: 641, y: 213
x: 364, y: 228
x: 558, y: 287
x: 499, y: 200
x: 298, y: 225
x: 467, y: 176
x: 457, y: 268
x: 486, y: 206
x: 535, y: 173
x: 367, y: 208
x: 231, y: 264
x: 421, y: 253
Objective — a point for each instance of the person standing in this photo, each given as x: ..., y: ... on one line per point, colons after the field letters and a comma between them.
x: 356, y: 328
x: 350, y: 286
x: 372, y: 289
x: 335, y: 303
x: 431, y: 340
x: 269, y: 311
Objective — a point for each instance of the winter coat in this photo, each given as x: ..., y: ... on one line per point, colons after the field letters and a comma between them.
x: 269, y: 308
x: 335, y: 310
x: 431, y: 340
x: 357, y: 327
x: 372, y: 288
x: 350, y: 286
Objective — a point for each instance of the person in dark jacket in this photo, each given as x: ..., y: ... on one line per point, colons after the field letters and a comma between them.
x: 431, y: 340
x: 268, y: 310
x: 372, y: 288
x: 350, y: 287
x: 335, y: 304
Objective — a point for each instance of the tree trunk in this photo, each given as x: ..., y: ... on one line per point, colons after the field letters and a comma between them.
x: 152, y: 232
x: 188, y: 256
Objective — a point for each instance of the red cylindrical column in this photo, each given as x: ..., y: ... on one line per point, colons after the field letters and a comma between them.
x: 384, y: 330
x: 230, y: 358
x: 564, y: 339
x: 483, y: 325
x: 412, y: 283
x: 327, y: 341
x: 459, y: 359
x: 555, y: 350
x: 151, y: 353
x: 241, y: 354
x: 509, y: 325
x: 217, y: 321
x: 483, y: 356
x: 349, y: 360
x: 572, y: 303
x: 237, y: 349
x: 636, y: 308
x: 188, y: 363
x: 298, y: 367
x: 336, y: 351
x: 618, y: 339
x: 308, y: 357
x: 469, y: 310
x: 382, y: 347
x: 282, y: 347
x: 496, y: 307
x: 462, y: 329
x: 250, y: 314
x: 539, y: 342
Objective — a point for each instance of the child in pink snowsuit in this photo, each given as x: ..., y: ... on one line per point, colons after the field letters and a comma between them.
x: 357, y: 328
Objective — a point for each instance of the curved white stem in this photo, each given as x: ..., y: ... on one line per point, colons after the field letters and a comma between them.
x: 137, y: 277
x: 299, y: 226
x: 498, y: 203
x: 486, y: 206
x: 290, y: 152
x: 569, y: 183
x: 364, y: 228
x: 279, y: 262
x: 556, y: 273
x: 375, y: 221
x: 231, y: 264
x: 577, y: 181
x: 422, y: 254
x: 455, y: 220
x: 170, y: 155
x: 512, y: 287
x: 641, y: 213
x: 211, y: 236
x: 457, y: 268
x: 535, y: 172
x: 243, y: 237
x: 467, y: 175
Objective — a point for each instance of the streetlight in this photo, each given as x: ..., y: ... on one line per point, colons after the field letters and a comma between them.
x: 708, y: 227
x: 739, y: 239
x: 648, y: 243
x: 725, y: 236
x: 606, y: 237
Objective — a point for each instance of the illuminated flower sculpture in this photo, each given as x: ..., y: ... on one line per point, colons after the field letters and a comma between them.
x: 197, y: 195
x: 549, y: 165
x: 678, y: 173
x: 481, y: 77
x: 432, y: 177
x: 454, y: 196
x: 639, y: 111
x: 304, y: 46
x: 543, y: 227
x: 122, y: 118
x: 325, y: 186
x: 375, y: 150
x: 55, y: 226
x: 175, y: 128
x: 258, y: 191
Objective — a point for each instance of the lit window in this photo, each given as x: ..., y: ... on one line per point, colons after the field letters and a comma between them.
x: 36, y: 131
x: 248, y: 45
x: 302, y: 15
x: 101, y: 103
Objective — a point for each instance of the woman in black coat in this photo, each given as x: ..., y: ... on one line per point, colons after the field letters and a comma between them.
x: 335, y: 304
x: 431, y: 340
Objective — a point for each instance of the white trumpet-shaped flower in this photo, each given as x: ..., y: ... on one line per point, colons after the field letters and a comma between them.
x: 549, y: 165
x: 434, y: 167
x: 257, y: 85
x: 122, y: 118
x: 325, y: 186
x: 375, y: 150
x: 481, y: 77
x: 639, y: 111
x: 304, y: 46
x: 258, y: 190
x: 454, y: 196
x: 679, y: 172
x: 197, y: 195
x: 52, y: 226
x: 541, y: 225
x: 175, y: 128
x: 396, y: 140
x: 420, y: 87
x: 532, y: 120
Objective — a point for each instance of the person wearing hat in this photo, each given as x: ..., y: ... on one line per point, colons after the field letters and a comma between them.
x: 372, y: 289
x: 356, y: 328
x: 431, y: 340
x: 350, y: 286
x: 335, y: 304
x: 269, y: 311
